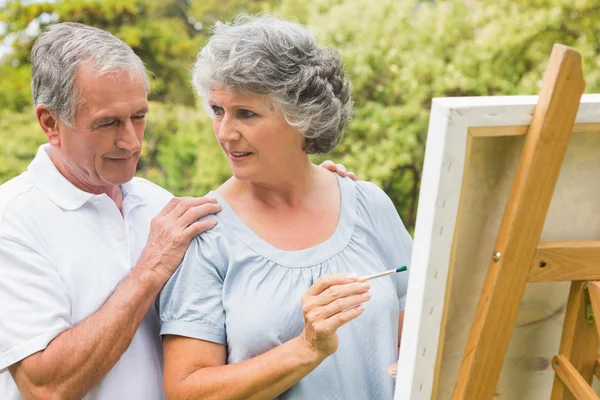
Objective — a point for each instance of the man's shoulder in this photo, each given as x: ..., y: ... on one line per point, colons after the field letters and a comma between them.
x: 145, y: 185
x: 16, y: 192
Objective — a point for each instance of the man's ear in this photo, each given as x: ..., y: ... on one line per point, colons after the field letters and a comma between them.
x: 49, y: 123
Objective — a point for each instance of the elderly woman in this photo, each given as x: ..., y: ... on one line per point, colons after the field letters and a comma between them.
x: 267, y: 304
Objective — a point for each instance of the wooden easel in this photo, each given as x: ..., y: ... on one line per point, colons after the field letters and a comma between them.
x: 520, y: 258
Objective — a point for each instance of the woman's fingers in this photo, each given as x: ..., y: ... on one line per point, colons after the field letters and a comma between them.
x: 330, y: 325
x: 337, y: 292
x: 339, y: 305
x: 332, y: 301
x: 327, y: 281
x: 335, y: 305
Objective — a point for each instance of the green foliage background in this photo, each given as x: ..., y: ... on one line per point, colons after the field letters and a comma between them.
x: 399, y: 54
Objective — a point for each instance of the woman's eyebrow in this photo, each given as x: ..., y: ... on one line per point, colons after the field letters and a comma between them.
x: 235, y: 104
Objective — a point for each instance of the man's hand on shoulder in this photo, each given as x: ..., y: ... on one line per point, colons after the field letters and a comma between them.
x: 338, y: 168
x: 171, y: 232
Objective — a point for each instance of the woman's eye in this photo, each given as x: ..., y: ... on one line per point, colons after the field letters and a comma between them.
x: 246, y: 114
x: 217, y: 110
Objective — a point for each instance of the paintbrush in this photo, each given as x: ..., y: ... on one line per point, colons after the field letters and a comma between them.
x: 386, y: 273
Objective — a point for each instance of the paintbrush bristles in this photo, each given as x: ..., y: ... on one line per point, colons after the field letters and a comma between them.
x: 386, y: 273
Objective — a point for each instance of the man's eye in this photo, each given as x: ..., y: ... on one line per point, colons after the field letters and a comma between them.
x: 246, y: 114
x: 217, y: 110
x: 140, y: 117
x: 108, y: 124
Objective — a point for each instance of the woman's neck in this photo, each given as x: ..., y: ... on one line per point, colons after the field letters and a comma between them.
x: 288, y: 189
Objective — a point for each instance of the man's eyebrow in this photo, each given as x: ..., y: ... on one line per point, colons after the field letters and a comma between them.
x: 104, y: 120
x: 110, y: 118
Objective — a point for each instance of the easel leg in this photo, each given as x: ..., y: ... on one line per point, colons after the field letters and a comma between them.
x: 579, y: 342
x: 516, y: 245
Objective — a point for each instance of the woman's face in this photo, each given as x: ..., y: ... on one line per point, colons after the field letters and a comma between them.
x: 255, y: 137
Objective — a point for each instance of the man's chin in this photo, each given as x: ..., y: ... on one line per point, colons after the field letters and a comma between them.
x: 118, y: 179
x: 120, y: 173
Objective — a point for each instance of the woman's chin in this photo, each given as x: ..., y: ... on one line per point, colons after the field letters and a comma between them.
x: 241, y: 175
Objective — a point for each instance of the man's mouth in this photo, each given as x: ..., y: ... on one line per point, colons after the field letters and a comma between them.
x: 120, y: 158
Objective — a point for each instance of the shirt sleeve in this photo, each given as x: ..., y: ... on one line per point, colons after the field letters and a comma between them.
x: 35, y: 302
x: 396, y: 239
x: 191, y: 302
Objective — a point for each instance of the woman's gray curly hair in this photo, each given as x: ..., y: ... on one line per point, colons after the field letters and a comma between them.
x: 266, y: 55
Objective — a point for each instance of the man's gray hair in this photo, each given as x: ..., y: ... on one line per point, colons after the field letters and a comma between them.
x: 266, y: 55
x: 63, y: 47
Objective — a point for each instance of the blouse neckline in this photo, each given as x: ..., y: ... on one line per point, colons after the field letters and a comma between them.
x: 297, y: 258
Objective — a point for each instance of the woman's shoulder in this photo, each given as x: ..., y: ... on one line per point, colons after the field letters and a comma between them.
x: 368, y: 194
x: 373, y: 206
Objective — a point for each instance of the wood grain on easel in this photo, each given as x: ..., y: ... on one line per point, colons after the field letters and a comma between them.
x: 566, y: 261
x: 538, y: 169
x: 519, y: 130
x: 597, y: 369
x: 578, y: 344
x: 568, y: 374
x: 594, y: 293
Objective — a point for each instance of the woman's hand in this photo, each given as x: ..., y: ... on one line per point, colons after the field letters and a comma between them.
x: 330, y: 303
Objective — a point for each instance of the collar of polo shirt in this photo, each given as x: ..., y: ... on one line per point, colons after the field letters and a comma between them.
x: 58, y: 188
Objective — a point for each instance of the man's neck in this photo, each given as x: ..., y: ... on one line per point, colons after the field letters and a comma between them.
x: 75, y: 178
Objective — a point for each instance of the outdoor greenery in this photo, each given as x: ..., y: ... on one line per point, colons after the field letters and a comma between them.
x: 399, y: 54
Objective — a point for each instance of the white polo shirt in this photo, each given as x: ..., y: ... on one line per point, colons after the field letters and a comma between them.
x: 62, y: 253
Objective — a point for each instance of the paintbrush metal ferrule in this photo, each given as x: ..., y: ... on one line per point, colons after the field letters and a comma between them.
x: 386, y: 273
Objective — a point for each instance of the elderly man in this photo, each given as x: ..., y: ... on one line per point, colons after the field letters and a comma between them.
x: 84, y: 246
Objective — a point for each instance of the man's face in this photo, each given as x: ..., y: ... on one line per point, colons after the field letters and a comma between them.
x: 103, y: 147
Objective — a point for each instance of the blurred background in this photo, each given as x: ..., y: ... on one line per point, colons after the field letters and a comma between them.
x: 399, y: 54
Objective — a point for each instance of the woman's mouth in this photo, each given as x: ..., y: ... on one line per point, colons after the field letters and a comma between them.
x: 239, y: 155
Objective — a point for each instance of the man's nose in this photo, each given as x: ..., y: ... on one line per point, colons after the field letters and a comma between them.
x: 128, y: 138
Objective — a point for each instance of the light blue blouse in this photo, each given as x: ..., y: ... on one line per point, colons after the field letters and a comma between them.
x: 235, y: 289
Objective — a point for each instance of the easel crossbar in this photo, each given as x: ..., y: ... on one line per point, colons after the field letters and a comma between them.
x: 566, y: 261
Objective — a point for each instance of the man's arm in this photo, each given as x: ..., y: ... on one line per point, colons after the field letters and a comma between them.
x: 78, y: 358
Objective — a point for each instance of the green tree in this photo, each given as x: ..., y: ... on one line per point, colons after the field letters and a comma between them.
x: 20, y: 137
x: 167, y: 35
x: 399, y: 54
x: 159, y: 32
x: 180, y: 151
